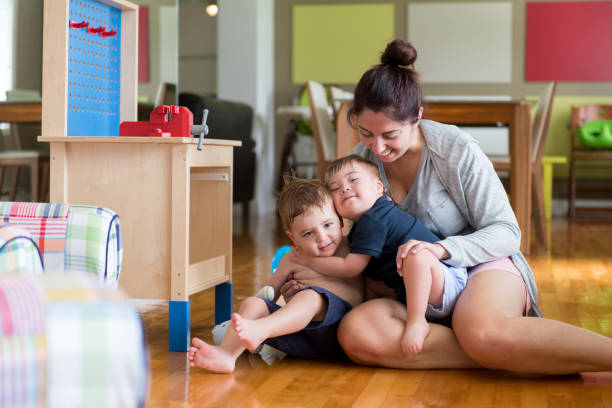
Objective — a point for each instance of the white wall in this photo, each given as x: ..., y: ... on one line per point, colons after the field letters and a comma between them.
x: 245, y: 73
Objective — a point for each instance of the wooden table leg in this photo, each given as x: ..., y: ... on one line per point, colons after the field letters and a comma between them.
x: 520, y: 171
x: 179, y: 309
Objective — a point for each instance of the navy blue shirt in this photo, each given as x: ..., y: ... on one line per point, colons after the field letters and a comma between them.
x: 379, y: 232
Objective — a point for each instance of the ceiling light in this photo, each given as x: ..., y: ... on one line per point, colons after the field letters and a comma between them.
x: 212, y: 9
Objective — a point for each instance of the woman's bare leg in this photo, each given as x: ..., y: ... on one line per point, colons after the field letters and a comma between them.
x: 371, y: 334
x: 489, y: 324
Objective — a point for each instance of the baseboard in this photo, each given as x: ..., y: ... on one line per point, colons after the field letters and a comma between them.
x: 560, y: 206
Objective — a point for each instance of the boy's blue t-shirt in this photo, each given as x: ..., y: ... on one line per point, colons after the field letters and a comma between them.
x: 379, y: 233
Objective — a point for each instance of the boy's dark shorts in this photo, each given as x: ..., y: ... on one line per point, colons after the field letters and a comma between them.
x: 318, y: 339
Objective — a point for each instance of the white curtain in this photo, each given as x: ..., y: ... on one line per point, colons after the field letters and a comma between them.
x: 6, y: 46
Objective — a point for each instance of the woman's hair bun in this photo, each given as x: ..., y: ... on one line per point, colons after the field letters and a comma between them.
x: 399, y: 53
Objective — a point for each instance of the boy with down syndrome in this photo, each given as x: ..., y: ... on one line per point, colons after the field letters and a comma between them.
x: 307, y: 325
x: 428, y: 287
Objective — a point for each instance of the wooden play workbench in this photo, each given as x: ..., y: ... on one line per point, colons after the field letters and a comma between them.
x: 175, y: 207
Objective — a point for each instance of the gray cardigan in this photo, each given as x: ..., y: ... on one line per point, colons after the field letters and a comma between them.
x: 482, y: 224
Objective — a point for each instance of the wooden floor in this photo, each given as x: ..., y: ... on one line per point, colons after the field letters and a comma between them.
x: 575, y: 286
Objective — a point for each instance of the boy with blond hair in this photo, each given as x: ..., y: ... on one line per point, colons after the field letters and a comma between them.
x: 428, y: 287
x: 306, y: 326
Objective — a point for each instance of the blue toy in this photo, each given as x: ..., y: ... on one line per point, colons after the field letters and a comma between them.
x: 278, y: 255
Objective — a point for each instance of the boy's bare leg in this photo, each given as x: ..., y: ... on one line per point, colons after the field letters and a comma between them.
x: 222, y: 358
x: 291, y: 318
x: 424, y: 280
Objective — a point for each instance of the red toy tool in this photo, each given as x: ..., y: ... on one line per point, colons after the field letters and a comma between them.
x: 167, y: 121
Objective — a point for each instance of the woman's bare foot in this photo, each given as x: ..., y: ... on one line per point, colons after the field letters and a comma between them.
x: 248, y: 331
x: 414, y: 336
x: 209, y: 357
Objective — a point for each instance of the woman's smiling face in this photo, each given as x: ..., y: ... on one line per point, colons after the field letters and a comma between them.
x: 386, y: 138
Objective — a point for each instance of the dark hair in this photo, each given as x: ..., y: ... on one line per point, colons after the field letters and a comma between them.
x: 391, y: 87
x: 300, y: 195
x: 342, y: 162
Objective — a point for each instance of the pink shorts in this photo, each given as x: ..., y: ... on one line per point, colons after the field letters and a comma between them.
x: 504, y: 264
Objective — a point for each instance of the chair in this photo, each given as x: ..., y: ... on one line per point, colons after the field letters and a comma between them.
x: 324, y: 135
x: 539, y: 131
x: 581, y: 153
x: 166, y: 94
x: 234, y: 121
x: 13, y: 156
x: 338, y: 96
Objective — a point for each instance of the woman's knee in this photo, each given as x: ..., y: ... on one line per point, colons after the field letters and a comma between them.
x: 359, y: 334
x: 353, y: 340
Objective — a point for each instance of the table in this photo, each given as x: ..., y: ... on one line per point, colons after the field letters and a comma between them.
x: 24, y: 112
x: 515, y: 114
x: 175, y: 207
x: 21, y: 112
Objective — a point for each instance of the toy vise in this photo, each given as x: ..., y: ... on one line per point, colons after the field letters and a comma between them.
x: 167, y: 121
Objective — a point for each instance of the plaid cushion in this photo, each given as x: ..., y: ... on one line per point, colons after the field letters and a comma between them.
x: 97, y: 352
x: 93, y: 242
x: 22, y: 342
x: 71, y: 237
x: 68, y: 340
x: 18, y: 252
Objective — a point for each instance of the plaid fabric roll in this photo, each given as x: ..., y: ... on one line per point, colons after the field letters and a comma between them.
x: 67, y: 340
x: 18, y: 252
x: 97, y: 350
x: 94, y: 243
x: 71, y: 237
x: 22, y: 341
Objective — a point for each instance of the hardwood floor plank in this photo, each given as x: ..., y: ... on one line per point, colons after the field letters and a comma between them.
x: 575, y: 286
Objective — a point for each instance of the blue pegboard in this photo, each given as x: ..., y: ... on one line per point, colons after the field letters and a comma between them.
x: 94, y: 70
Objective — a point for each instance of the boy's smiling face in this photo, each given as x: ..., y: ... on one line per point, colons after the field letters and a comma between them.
x: 354, y: 188
x: 318, y: 231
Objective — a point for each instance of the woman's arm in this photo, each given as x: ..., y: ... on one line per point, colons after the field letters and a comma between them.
x: 478, y: 193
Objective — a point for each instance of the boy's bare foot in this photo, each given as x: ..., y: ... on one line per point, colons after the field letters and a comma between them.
x: 209, y: 357
x: 414, y: 336
x: 249, y: 331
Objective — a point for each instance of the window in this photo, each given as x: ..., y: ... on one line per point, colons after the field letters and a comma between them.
x: 6, y: 47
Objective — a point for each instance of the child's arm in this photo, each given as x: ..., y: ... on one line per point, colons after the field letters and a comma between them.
x: 334, y: 266
x: 280, y: 276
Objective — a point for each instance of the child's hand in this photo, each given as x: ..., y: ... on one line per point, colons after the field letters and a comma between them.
x: 298, y: 256
x: 290, y: 287
x: 413, y: 246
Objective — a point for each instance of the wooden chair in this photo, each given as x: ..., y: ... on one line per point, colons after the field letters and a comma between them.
x: 322, y: 130
x: 580, y: 153
x: 337, y: 97
x: 12, y: 155
x: 539, y: 131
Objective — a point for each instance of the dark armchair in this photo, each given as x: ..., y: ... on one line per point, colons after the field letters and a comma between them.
x: 234, y: 121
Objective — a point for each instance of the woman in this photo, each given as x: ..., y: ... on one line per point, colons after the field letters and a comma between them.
x: 437, y: 173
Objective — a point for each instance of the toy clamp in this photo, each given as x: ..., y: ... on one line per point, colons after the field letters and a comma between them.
x: 168, y: 121
x: 202, y: 129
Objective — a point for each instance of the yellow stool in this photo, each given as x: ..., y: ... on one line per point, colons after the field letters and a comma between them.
x: 547, y: 179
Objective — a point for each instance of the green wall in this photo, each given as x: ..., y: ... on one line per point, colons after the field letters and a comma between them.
x: 568, y: 93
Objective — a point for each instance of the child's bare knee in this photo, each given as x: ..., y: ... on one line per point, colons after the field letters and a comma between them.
x: 419, y: 261
x: 253, y: 302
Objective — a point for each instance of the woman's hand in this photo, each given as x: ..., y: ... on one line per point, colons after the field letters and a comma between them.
x: 413, y: 246
x: 289, y: 288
